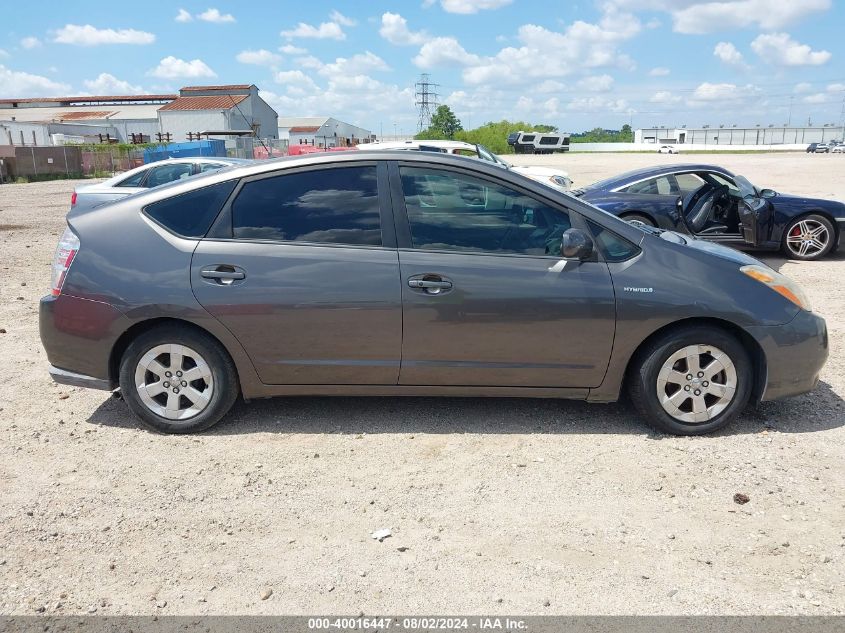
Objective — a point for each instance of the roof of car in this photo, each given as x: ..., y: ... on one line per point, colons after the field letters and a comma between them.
x: 414, y: 143
x: 653, y: 171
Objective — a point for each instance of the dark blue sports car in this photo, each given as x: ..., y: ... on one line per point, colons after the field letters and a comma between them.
x: 712, y: 203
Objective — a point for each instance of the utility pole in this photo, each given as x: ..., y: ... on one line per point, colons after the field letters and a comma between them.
x: 789, y: 118
x: 426, y: 99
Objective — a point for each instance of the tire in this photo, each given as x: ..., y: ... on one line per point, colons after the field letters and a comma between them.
x: 198, y: 404
x: 807, y: 225
x: 649, y: 380
x: 638, y: 217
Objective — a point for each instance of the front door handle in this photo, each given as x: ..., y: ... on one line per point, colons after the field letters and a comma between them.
x: 430, y: 284
x: 223, y: 274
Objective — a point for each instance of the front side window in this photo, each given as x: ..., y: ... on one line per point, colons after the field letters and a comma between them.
x: 169, y: 173
x: 458, y: 212
x: 338, y: 205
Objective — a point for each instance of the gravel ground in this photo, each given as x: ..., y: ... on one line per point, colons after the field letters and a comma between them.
x: 495, y: 506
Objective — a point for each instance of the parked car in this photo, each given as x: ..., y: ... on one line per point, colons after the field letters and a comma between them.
x: 555, y: 178
x: 821, y: 148
x: 668, y: 149
x: 839, y: 148
x: 811, y: 148
x: 714, y: 204
x: 411, y: 273
x: 146, y: 177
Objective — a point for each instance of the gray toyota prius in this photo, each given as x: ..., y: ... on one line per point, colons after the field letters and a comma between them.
x: 404, y: 273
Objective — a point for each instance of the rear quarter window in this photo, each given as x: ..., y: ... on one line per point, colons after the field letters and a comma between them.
x: 191, y: 214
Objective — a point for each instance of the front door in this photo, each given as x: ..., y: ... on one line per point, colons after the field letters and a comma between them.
x: 306, y: 276
x: 487, y: 299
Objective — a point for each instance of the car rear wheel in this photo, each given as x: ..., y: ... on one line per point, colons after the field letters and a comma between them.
x: 691, y: 381
x: 808, y: 237
x: 178, y: 380
x: 637, y: 218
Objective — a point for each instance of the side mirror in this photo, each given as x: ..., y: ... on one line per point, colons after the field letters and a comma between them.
x: 768, y: 193
x: 576, y: 244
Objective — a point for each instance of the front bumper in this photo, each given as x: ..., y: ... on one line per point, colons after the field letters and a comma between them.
x: 795, y: 354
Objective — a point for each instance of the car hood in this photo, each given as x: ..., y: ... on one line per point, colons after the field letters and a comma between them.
x: 711, y: 248
x: 539, y: 171
x: 786, y: 200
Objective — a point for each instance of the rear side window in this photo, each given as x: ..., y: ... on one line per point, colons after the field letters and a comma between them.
x: 204, y: 167
x: 169, y: 173
x: 191, y: 214
x: 332, y: 206
x: 133, y: 181
x: 654, y: 186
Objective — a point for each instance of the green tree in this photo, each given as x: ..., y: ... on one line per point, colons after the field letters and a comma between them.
x: 444, y: 125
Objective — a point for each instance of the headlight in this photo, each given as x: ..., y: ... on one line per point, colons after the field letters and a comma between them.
x: 561, y: 181
x: 781, y: 284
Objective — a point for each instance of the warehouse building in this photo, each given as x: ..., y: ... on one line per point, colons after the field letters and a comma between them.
x: 733, y: 135
x: 322, y: 132
x: 212, y: 111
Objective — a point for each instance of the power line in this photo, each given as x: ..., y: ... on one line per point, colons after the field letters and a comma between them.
x: 426, y: 99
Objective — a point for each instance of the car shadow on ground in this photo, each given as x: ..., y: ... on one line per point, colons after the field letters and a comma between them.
x: 820, y: 410
x: 777, y: 260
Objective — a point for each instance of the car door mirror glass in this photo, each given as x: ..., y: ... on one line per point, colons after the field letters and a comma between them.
x: 768, y: 193
x: 576, y: 244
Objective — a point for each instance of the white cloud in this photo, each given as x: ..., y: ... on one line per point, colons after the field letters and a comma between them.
x: 21, y: 84
x: 183, y: 16
x: 355, y: 65
x: 659, y: 71
x: 88, y: 35
x: 598, y: 104
x: 326, y: 30
x: 471, y: 6
x: 836, y: 87
x: 261, y: 57
x: 290, y: 49
x: 664, y: 96
x: 106, y: 84
x: 3, y: 54
x: 724, y: 94
x: 803, y: 87
x: 728, y: 54
x: 309, y: 61
x: 30, y: 42
x: 338, y: 18
x: 552, y: 54
x: 444, y: 51
x: 174, y: 68
x: 214, y: 15
x: 596, y: 83
x: 394, y: 28
x: 781, y: 50
x: 708, y: 16
x: 819, y: 97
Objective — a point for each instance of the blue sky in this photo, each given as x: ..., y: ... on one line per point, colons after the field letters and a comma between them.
x: 575, y: 65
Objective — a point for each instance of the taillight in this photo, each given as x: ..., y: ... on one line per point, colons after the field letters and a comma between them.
x: 65, y: 252
x: 73, y: 199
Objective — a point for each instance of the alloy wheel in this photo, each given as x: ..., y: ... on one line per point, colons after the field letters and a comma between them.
x: 696, y: 383
x: 807, y: 238
x: 174, y: 381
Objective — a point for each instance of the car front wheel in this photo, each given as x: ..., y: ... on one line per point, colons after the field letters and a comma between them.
x: 178, y: 380
x: 691, y: 381
x: 809, y: 237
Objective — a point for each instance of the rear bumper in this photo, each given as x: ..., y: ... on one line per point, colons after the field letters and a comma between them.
x: 78, y: 336
x: 64, y: 377
x: 795, y: 354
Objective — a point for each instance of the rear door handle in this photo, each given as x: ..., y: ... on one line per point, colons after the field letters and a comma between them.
x: 427, y: 283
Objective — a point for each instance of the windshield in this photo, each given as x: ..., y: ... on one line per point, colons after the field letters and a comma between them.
x: 486, y: 154
x: 746, y: 189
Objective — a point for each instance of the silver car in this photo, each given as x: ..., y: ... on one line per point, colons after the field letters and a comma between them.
x: 147, y: 177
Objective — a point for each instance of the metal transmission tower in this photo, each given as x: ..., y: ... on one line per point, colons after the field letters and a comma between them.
x: 426, y: 101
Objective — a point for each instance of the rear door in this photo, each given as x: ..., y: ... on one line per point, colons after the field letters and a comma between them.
x: 302, y: 267
x: 487, y: 299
